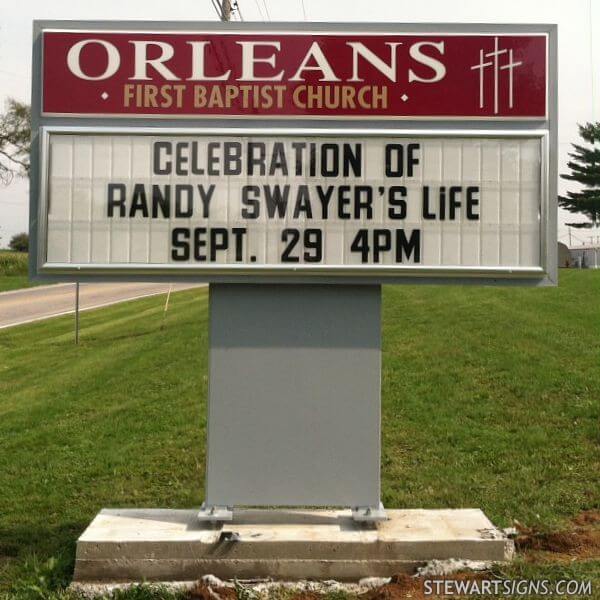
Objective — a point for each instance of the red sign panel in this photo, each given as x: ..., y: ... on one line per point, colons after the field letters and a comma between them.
x: 294, y: 75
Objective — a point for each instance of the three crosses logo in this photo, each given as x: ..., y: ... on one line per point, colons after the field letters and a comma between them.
x: 492, y: 60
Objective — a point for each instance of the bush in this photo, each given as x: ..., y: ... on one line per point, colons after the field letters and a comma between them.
x: 19, y: 242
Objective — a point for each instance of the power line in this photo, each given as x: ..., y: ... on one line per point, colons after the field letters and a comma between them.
x: 567, y: 235
x: 303, y: 9
x: 238, y: 12
x: 262, y: 17
x: 217, y: 9
x: 266, y: 9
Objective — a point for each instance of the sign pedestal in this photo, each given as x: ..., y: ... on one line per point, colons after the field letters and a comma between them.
x: 128, y: 545
x: 294, y: 398
x: 307, y: 206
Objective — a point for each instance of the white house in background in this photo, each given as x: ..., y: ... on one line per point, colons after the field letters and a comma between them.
x: 565, y: 258
x: 586, y: 257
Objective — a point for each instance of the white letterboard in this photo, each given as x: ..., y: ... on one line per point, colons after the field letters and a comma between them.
x: 359, y: 204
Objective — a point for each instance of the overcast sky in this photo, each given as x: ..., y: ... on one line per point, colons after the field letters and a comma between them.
x: 579, y: 52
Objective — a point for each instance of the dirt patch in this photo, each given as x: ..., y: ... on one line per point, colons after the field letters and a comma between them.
x: 306, y: 596
x: 405, y: 586
x: 201, y: 591
x: 580, y: 541
x: 401, y: 586
x: 566, y: 542
x: 588, y: 517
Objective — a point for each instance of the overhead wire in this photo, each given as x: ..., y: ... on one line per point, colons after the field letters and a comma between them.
x: 266, y: 10
x: 217, y: 9
x: 238, y: 11
x: 262, y: 17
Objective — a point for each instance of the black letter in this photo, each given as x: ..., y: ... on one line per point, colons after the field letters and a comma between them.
x: 408, y: 247
x: 472, y: 202
x: 238, y: 234
x: 353, y: 159
x: 278, y: 160
x: 196, y: 168
x: 276, y: 201
x: 168, y: 147
x: 382, y: 242
x: 303, y: 203
x: 253, y: 210
x: 396, y: 198
x: 412, y: 159
x: 426, y: 213
x: 232, y: 151
x: 453, y: 192
x: 206, y: 196
x: 181, y: 159
x: 213, y: 161
x: 180, y: 211
x: 256, y: 161
x: 179, y: 237
x: 112, y: 201
x: 365, y: 204
x: 161, y: 199
x: 396, y: 152
x: 325, y: 198
x: 215, y: 244
x: 139, y: 202
x: 335, y: 155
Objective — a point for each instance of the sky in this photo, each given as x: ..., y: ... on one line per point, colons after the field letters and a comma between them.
x: 578, y: 35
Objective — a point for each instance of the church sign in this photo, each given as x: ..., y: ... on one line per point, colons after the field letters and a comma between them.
x: 341, y: 152
x: 329, y: 75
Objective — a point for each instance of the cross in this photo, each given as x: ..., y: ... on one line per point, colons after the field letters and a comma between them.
x: 496, y: 54
x: 510, y: 66
x: 481, y: 66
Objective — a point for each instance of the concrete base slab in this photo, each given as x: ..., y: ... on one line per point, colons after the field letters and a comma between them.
x: 172, y: 545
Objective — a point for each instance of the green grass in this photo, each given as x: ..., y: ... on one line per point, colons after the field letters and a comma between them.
x: 15, y: 282
x: 13, y: 271
x: 491, y: 398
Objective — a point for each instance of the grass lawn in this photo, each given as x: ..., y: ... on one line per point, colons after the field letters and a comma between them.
x: 14, y: 282
x: 491, y: 398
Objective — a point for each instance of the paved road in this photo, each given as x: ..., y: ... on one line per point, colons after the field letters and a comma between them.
x: 33, y: 304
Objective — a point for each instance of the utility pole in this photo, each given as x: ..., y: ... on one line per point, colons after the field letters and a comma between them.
x: 225, y: 10
x: 570, y: 243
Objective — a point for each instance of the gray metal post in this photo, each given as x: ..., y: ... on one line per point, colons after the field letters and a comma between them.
x: 294, y: 398
x: 77, y: 312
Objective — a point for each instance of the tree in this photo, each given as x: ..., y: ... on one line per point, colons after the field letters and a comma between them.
x: 585, y: 169
x: 19, y: 242
x: 15, y: 140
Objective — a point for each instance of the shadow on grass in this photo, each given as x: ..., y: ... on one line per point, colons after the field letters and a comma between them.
x: 41, y: 554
